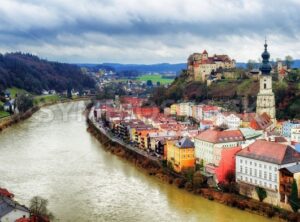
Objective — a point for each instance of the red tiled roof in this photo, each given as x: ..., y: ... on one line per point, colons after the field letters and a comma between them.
x: 270, y: 152
x: 261, y: 122
x: 4, y: 192
x: 216, y: 136
x: 210, y: 108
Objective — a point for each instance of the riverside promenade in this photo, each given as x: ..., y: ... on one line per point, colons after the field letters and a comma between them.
x: 119, y: 141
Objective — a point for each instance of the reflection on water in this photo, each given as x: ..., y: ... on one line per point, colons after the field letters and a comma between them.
x: 53, y: 156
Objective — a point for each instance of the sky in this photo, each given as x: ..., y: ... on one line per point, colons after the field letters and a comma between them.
x: 149, y: 31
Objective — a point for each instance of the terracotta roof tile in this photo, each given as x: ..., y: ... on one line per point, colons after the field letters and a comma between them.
x: 270, y: 152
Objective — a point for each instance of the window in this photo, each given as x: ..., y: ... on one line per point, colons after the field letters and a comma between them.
x: 265, y: 85
x: 265, y: 175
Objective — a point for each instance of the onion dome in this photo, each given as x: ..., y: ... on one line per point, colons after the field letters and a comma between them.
x: 265, y: 67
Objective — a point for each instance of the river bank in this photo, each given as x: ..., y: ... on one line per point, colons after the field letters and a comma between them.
x: 154, y: 169
x: 16, y: 118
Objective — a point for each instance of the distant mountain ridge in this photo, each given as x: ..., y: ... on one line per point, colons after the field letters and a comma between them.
x: 159, y: 67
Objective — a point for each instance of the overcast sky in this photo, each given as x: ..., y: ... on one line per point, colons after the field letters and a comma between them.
x: 149, y: 31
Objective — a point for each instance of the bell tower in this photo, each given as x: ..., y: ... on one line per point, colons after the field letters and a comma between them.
x: 265, y: 102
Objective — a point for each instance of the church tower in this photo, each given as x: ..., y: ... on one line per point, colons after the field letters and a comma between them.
x: 265, y: 102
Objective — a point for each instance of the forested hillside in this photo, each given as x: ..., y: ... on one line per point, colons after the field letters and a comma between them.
x: 28, y: 72
x: 239, y: 95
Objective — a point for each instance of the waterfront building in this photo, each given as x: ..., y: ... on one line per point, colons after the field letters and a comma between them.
x: 10, y: 210
x: 180, y: 154
x: 227, y: 164
x: 210, y: 143
x: 258, y: 165
x: 266, y: 99
x: 286, y: 177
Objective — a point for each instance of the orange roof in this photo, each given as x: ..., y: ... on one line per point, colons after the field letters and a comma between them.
x: 216, y: 136
x: 270, y: 152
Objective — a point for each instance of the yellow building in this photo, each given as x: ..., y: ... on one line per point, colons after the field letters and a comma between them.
x: 173, y: 109
x: 181, y: 154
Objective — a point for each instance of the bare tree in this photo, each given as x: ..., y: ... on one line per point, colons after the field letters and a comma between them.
x: 38, y: 209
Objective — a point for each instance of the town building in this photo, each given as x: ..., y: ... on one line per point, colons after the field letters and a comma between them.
x: 10, y: 210
x: 266, y: 99
x: 200, y: 66
x: 210, y: 143
x: 287, y: 127
x: 295, y: 135
x: 229, y: 120
x: 257, y: 165
x: 181, y: 154
x: 227, y: 164
x: 287, y: 176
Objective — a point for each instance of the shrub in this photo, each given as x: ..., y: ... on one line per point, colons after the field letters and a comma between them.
x: 261, y: 193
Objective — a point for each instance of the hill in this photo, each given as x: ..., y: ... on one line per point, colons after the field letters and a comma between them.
x: 236, y: 95
x: 33, y: 74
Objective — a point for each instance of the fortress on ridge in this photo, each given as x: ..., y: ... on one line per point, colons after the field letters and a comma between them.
x: 200, y: 66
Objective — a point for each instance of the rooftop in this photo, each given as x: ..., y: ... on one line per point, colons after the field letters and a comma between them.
x: 270, y: 152
x: 217, y: 136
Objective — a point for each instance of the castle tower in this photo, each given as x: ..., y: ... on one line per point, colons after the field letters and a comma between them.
x: 265, y: 102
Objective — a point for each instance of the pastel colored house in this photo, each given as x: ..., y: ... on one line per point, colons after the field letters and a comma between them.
x: 210, y: 143
x: 287, y: 127
x: 227, y: 163
x: 180, y: 154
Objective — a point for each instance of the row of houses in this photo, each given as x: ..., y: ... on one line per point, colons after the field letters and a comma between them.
x: 256, y: 155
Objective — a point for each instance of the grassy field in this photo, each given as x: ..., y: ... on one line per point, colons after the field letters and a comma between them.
x: 3, y: 114
x: 13, y: 91
x: 155, y: 78
x: 43, y: 99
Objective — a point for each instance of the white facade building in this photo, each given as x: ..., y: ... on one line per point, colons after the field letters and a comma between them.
x: 257, y: 165
x: 232, y: 121
x: 295, y: 135
x: 210, y: 143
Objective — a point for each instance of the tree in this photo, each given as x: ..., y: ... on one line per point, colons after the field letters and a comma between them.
x: 261, y: 193
x: 158, y: 83
x: 289, y: 61
x: 69, y: 91
x: 149, y: 83
x: 24, y: 102
x: 38, y: 209
x: 251, y: 64
x: 293, y: 198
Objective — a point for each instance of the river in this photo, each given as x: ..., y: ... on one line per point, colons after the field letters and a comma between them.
x: 53, y: 156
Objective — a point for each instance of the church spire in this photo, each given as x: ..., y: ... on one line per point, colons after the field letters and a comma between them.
x: 265, y: 67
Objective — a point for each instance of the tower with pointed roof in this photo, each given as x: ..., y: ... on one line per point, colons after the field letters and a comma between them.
x: 265, y: 102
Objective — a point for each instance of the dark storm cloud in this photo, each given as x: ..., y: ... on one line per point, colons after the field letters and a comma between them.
x: 155, y: 30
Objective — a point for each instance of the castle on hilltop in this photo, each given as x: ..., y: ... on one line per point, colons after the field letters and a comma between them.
x: 200, y: 66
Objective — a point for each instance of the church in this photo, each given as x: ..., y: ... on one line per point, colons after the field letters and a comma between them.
x: 265, y: 103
